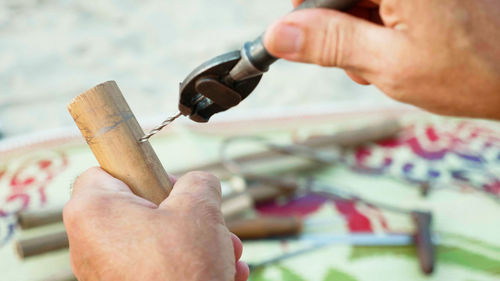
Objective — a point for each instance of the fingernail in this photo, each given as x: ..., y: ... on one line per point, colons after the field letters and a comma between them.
x: 287, y: 39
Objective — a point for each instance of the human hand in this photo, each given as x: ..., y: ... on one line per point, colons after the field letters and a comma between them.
x: 116, y: 235
x: 443, y: 56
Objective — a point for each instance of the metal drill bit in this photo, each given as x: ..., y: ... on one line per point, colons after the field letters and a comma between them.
x: 159, y: 128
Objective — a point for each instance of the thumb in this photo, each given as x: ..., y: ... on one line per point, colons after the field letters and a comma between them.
x: 331, y: 38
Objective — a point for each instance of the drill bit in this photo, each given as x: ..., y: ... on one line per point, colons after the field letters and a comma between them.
x: 156, y: 130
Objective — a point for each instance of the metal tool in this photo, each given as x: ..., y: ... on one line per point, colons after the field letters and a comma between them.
x: 353, y: 239
x: 423, y: 239
x: 422, y: 219
x: 157, y: 129
x: 224, y: 81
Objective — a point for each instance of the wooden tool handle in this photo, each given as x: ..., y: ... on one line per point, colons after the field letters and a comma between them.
x: 35, y: 218
x: 42, y: 244
x: 232, y: 207
x: 262, y: 193
x: 236, y: 205
x: 112, y: 132
x: 265, y: 227
x: 352, y: 138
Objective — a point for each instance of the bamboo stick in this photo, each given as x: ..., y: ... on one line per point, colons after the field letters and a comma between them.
x: 263, y: 193
x: 257, y: 228
x: 43, y: 244
x: 35, y: 218
x: 234, y: 206
x: 231, y: 207
x: 112, y: 132
x: 265, y: 227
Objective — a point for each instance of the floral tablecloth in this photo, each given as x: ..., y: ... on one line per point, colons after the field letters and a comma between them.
x: 460, y: 159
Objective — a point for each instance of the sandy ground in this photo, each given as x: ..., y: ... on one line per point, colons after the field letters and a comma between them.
x: 51, y: 50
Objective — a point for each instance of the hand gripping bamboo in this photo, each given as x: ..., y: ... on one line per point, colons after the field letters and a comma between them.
x: 112, y: 133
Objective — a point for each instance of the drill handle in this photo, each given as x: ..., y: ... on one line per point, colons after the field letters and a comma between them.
x: 340, y: 5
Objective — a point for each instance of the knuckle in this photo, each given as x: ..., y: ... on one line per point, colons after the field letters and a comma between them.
x: 398, y: 77
x: 189, y: 202
x: 395, y: 83
x: 69, y: 212
x: 387, y: 9
x: 72, y: 212
x: 332, y: 42
x: 209, y: 211
x: 199, y: 206
x: 84, y: 206
x: 329, y: 54
x: 205, y: 179
x: 86, y: 178
x: 215, y: 217
x: 206, y: 206
x: 200, y: 176
x: 84, y: 212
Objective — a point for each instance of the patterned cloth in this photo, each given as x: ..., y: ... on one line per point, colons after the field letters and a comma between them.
x: 459, y: 159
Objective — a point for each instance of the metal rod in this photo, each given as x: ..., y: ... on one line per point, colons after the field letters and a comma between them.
x: 156, y: 130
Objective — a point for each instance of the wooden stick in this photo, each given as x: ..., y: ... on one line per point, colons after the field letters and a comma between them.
x: 262, y: 193
x: 35, y: 218
x: 265, y: 227
x: 235, y: 206
x: 256, y: 228
x: 232, y: 205
x: 355, y: 137
x: 112, y: 132
x: 232, y: 208
x: 42, y: 244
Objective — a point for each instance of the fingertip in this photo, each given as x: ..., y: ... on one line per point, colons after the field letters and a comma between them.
x: 88, y: 177
x: 358, y: 79
x: 237, y: 245
x: 172, y: 178
x: 296, y: 3
x: 242, y: 271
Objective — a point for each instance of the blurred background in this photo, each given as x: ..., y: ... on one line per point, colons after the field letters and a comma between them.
x: 52, y: 50
x: 385, y: 173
